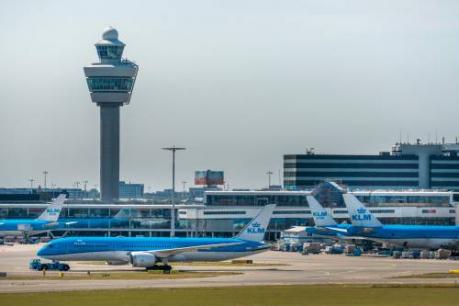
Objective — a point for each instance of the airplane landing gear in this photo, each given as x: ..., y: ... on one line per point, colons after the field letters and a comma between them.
x: 165, y: 268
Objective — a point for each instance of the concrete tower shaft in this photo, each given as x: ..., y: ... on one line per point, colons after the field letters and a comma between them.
x: 110, y: 82
x: 110, y: 151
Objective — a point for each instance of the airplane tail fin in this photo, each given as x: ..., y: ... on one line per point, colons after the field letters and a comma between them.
x: 256, y: 228
x: 124, y: 213
x: 53, y: 211
x: 319, y: 214
x: 360, y: 215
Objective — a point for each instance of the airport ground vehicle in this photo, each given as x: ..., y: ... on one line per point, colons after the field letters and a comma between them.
x: 36, y: 264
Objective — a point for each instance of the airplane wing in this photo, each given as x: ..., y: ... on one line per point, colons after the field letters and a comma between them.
x: 53, y: 224
x: 169, y: 252
x: 337, y: 229
x: 343, y: 237
x: 50, y: 224
x: 71, y: 222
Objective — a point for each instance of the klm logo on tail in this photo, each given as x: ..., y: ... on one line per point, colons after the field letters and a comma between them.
x: 362, y: 215
x: 256, y: 228
x: 320, y: 214
x: 53, y: 211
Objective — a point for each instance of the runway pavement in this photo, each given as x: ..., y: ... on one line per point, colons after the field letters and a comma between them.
x: 295, y: 269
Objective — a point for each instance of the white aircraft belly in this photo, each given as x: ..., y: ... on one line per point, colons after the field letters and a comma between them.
x: 211, y: 256
x: 93, y: 256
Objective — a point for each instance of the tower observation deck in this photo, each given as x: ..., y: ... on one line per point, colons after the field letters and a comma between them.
x: 110, y: 82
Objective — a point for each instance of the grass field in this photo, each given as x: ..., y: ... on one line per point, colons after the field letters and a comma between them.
x: 261, y: 295
x: 130, y: 275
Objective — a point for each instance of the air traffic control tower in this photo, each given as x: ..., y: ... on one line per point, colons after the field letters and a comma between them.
x: 110, y: 83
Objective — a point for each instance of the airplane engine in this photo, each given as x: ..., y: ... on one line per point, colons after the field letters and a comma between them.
x: 143, y: 259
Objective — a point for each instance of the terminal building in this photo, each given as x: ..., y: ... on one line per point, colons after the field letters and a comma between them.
x: 225, y: 213
x: 130, y: 190
x: 417, y: 165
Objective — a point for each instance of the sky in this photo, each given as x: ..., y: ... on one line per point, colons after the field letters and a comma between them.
x: 238, y: 83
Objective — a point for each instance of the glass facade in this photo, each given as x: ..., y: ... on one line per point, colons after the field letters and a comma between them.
x: 444, y: 172
x: 394, y: 170
x: 221, y: 225
x: 291, y: 212
x: 110, y: 52
x: 96, y: 84
x: 131, y: 191
x: 308, y: 170
x: 330, y: 196
x: 255, y: 200
x: 280, y: 224
x: 222, y: 212
x: 99, y: 218
x: 382, y: 211
x: 401, y: 200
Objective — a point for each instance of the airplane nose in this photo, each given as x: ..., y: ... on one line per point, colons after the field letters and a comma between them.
x: 42, y: 251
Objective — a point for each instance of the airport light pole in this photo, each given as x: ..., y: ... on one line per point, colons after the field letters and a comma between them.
x: 31, y: 184
x: 77, y: 184
x: 279, y: 176
x: 85, y: 185
x: 45, y: 173
x: 173, y: 149
x: 269, y: 173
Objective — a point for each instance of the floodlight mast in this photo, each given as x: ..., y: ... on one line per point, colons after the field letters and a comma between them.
x: 269, y: 173
x: 173, y: 149
x: 45, y: 173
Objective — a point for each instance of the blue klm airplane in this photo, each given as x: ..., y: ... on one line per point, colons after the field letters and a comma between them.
x: 46, y: 221
x: 148, y: 252
x: 364, y: 224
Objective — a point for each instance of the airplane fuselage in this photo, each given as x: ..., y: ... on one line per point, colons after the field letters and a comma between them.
x: 118, y: 249
x: 411, y: 236
x: 21, y: 226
